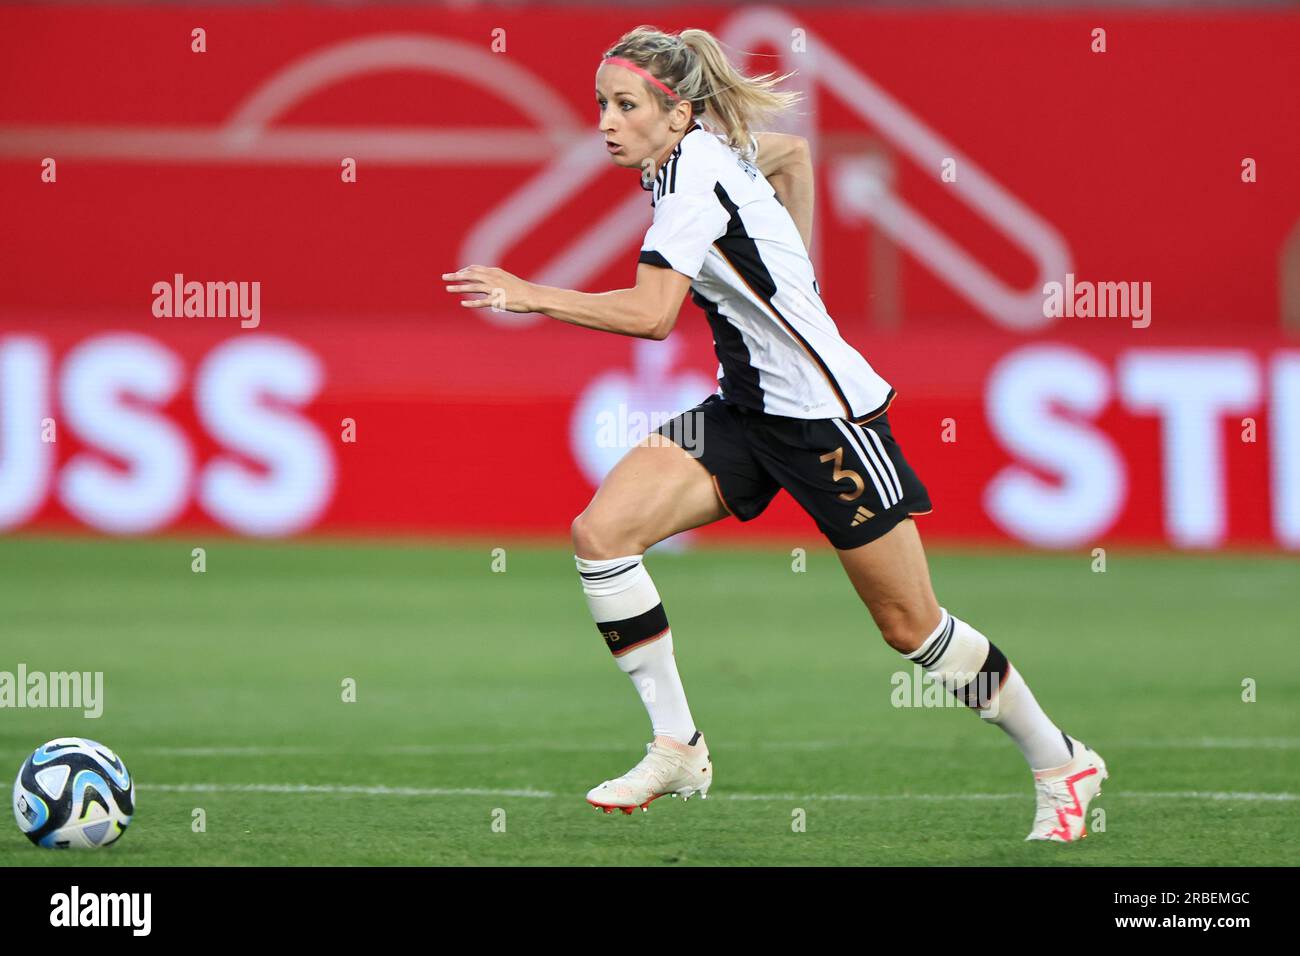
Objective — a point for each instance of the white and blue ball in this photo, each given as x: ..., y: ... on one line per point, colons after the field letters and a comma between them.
x: 73, y: 793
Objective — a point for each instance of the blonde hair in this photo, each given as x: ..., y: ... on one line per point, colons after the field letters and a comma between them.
x: 693, y: 65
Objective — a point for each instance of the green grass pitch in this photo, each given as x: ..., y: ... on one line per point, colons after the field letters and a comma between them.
x: 487, y: 697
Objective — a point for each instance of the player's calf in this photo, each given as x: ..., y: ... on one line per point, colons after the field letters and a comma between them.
x: 973, y: 668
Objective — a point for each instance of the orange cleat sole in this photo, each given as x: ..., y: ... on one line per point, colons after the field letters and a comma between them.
x: 627, y: 811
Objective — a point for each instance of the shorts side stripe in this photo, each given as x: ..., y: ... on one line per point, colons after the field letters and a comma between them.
x: 895, y: 498
x: 888, y: 499
x: 883, y: 454
x: 866, y: 465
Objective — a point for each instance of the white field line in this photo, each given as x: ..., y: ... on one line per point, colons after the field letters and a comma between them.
x: 380, y: 791
x: 377, y: 791
x: 552, y: 746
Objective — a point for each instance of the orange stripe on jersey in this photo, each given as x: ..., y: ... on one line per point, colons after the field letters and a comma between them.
x: 816, y: 359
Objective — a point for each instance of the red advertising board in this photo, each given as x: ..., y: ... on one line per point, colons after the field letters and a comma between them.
x: 965, y: 162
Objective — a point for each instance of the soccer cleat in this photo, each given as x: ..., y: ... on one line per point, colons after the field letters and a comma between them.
x: 1064, y: 794
x: 669, y: 766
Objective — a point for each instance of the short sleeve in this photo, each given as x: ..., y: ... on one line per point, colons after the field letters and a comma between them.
x: 685, y: 225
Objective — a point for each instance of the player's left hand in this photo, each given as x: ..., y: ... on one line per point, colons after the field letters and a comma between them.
x: 501, y: 291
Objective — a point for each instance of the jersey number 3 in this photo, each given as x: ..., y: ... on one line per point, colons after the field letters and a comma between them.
x: 841, y: 472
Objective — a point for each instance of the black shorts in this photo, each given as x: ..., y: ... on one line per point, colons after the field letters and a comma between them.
x: 852, y: 479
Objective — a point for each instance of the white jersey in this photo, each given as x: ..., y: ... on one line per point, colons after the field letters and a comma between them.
x: 718, y: 221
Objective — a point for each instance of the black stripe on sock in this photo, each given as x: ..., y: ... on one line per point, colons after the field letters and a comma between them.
x: 608, y: 572
x: 622, y: 636
x: 979, y: 692
x: 1068, y: 745
x: 939, y: 646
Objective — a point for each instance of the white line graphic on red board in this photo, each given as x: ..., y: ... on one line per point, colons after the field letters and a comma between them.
x: 249, y: 137
x: 821, y: 68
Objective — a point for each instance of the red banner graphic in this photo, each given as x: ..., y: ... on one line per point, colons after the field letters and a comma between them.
x: 966, y: 164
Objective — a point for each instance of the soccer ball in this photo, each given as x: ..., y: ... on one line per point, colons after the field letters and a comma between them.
x: 73, y: 793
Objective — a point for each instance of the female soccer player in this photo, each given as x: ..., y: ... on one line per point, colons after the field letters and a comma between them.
x: 796, y: 407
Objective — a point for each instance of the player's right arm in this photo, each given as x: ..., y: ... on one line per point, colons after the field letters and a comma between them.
x: 687, y: 221
x: 647, y: 311
x: 786, y: 161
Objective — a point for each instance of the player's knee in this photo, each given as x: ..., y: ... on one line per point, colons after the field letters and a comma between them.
x: 901, y: 626
x: 581, y: 533
x: 596, y: 539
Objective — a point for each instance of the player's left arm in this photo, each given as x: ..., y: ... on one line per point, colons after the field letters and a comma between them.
x: 646, y: 311
x: 786, y: 162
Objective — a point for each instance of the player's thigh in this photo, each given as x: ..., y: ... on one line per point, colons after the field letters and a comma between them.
x: 855, y: 482
x: 655, y: 491
x: 892, y: 578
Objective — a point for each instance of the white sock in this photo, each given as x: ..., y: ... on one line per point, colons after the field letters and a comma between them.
x: 972, y: 667
x: 627, y: 610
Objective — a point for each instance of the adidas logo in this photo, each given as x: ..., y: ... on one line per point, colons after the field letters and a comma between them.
x: 862, y: 515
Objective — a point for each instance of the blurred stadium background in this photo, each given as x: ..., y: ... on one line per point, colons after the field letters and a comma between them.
x: 366, y: 405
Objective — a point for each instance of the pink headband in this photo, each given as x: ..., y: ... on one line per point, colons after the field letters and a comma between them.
x: 628, y: 65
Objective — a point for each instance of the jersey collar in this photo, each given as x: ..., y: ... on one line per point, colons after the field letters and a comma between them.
x: 677, y: 151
